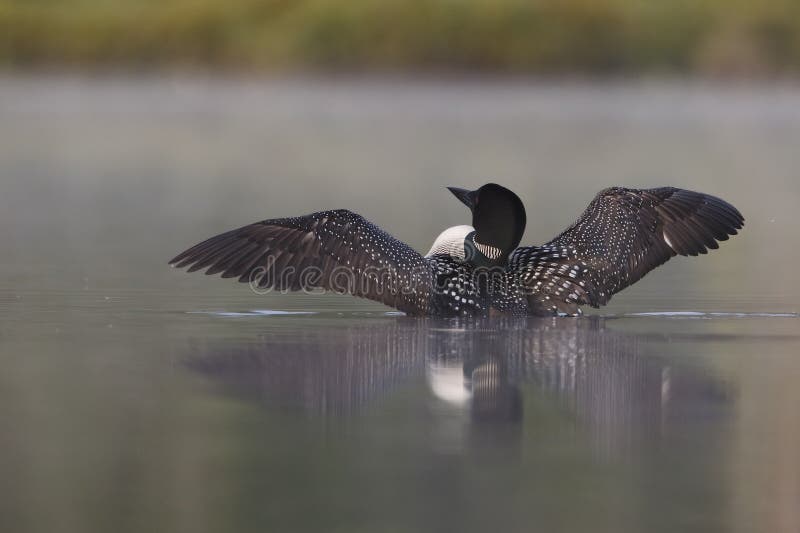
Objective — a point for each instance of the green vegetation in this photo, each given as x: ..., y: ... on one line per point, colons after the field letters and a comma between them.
x: 523, y: 36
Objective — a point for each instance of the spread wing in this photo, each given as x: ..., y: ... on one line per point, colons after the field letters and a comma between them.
x: 622, y: 235
x: 336, y: 250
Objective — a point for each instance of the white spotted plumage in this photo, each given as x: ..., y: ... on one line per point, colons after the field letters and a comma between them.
x: 622, y: 235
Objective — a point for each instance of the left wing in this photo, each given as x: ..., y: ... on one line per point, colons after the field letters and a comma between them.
x: 622, y: 235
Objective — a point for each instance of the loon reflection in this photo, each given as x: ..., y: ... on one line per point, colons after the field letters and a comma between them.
x: 480, y: 384
x: 614, y: 385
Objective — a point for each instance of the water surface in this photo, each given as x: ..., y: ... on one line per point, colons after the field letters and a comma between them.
x: 135, y: 397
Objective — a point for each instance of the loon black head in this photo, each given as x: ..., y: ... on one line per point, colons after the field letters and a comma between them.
x: 498, y: 217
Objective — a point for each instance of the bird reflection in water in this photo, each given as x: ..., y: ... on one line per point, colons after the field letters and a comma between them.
x: 480, y: 374
x: 480, y: 405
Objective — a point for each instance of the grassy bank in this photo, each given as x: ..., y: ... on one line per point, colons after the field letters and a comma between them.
x: 540, y: 37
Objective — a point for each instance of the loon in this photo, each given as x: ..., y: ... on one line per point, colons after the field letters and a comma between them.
x: 477, y: 269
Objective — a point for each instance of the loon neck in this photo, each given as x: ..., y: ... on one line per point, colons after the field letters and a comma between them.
x: 452, y: 242
x: 492, y: 253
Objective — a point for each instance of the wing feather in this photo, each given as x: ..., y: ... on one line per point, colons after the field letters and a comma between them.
x: 620, y: 237
x: 334, y: 250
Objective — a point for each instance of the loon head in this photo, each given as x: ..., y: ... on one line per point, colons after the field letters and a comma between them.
x: 498, y: 217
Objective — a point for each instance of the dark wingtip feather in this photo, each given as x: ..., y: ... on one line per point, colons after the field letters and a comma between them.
x: 174, y: 261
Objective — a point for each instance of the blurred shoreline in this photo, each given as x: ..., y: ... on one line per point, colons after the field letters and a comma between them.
x: 310, y: 78
x: 731, y: 39
x: 720, y: 81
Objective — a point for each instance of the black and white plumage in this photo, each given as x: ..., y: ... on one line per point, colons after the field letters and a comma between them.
x: 622, y: 235
x: 336, y: 250
x: 474, y: 270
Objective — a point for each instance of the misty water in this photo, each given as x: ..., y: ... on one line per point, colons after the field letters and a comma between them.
x: 135, y: 397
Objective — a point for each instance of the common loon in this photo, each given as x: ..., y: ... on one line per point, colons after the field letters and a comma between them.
x: 477, y: 269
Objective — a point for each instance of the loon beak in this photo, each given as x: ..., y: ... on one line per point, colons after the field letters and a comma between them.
x: 467, y: 197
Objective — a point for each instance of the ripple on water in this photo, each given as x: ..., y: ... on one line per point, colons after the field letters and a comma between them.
x: 254, y: 312
x: 649, y: 314
x: 707, y: 315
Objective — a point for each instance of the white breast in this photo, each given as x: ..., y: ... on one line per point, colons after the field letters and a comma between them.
x: 451, y: 242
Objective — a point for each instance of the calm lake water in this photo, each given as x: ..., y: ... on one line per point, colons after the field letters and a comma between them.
x: 134, y: 397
